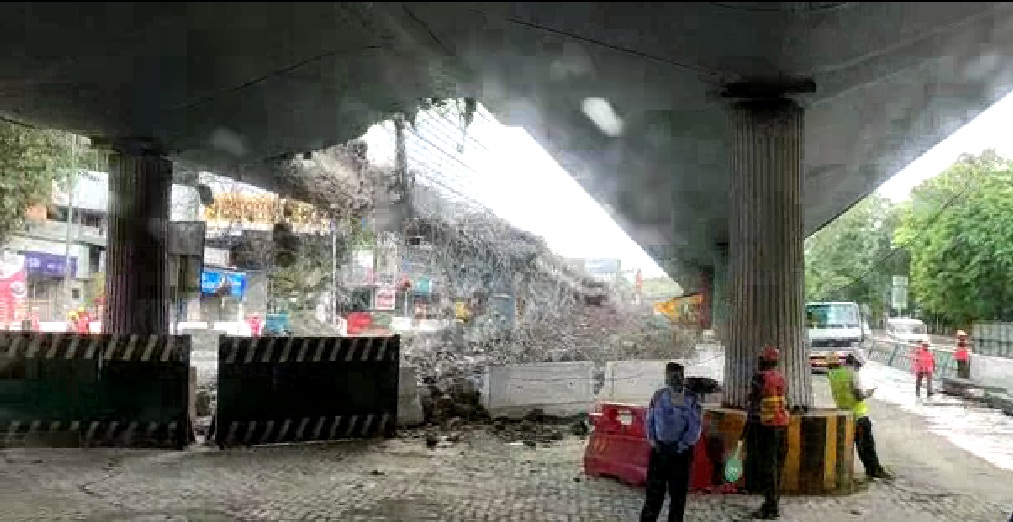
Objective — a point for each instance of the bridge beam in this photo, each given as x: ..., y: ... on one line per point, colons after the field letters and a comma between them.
x: 137, y: 285
x: 766, y: 261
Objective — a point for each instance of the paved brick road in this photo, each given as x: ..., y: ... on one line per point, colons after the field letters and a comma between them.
x: 480, y: 478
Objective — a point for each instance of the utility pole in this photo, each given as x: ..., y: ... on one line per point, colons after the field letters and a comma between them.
x: 405, y: 186
x: 71, y: 182
x: 334, y: 267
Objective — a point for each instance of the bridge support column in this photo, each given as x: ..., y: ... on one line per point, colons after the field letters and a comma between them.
x: 766, y: 261
x: 137, y: 285
x: 719, y: 302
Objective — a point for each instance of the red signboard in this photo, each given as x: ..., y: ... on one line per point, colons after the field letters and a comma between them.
x: 13, y: 289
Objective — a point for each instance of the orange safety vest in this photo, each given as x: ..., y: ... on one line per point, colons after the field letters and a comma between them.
x: 773, y: 405
x: 962, y: 353
x: 924, y: 361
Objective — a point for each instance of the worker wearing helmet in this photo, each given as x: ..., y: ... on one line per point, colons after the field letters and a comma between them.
x: 850, y: 394
x: 765, y: 433
x: 923, y: 364
x: 963, y: 355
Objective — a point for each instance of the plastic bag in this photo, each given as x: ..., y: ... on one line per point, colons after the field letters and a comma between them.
x: 733, y: 466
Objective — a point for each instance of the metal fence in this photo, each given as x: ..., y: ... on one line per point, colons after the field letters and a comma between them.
x: 899, y: 355
x: 993, y: 339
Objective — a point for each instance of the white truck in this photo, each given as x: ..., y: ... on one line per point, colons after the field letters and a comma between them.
x: 834, y: 327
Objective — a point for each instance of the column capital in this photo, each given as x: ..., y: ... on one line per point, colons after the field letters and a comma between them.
x: 768, y: 88
x: 137, y: 147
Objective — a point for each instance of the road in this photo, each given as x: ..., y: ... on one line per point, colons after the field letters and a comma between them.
x: 479, y: 478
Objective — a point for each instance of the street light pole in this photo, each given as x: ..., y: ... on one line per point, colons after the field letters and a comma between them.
x: 334, y: 271
x: 71, y: 182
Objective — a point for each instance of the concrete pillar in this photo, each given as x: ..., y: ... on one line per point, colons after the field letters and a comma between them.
x: 766, y: 261
x: 137, y: 286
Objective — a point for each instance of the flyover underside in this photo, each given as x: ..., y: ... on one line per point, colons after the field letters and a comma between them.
x: 236, y: 88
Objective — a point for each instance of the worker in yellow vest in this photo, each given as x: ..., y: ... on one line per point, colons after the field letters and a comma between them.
x: 850, y: 394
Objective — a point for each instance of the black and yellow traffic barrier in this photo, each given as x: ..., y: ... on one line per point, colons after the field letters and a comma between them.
x: 73, y: 390
x: 293, y: 389
x: 821, y: 449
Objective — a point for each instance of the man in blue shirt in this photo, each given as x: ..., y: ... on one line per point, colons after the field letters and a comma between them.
x: 673, y: 429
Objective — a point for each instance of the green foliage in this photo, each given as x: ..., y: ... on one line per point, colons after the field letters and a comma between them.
x: 30, y: 159
x: 958, y: 227
x: 303, y: 263
x: 852, y: 259
x: 307, y: 276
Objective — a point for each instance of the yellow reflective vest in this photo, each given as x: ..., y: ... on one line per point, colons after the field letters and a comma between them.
x: 842, y: 386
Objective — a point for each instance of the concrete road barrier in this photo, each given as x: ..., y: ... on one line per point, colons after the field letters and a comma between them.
x: 409, y: 404
x: 559, y: 389
x: 992, y: 371
x: 632, y: 382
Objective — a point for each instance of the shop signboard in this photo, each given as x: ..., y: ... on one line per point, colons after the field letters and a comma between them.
x: 48, y: 265
x: 217, y: 282
x: 386, y: 297
x: 216, y: 257
x: 359, y: 272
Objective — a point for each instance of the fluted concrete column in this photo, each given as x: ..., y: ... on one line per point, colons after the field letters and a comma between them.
x: 766, y: 261
x: 137, y: 285
x: 719, y: 302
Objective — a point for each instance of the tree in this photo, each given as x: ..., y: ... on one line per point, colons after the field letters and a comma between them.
x: 852, y: 258
x: 305, y: 272
x: 30, y: 160
x: 958, y: 228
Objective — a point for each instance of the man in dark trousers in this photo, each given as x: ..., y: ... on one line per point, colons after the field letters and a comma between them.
x: 765, y: 433
x: 850, y: 394
x: 674, y: 421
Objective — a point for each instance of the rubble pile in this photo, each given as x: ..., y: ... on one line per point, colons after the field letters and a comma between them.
x: 452, y: 397
x: 611, y: 332
x: 537, y: 428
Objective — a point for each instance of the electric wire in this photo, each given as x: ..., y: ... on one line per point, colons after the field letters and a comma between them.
x: 877, y: 264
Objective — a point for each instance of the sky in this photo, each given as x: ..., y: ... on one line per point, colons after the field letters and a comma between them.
x: 506, y: 171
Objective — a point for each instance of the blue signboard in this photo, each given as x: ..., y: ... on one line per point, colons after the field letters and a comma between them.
x: 48, y: 265
x: 212, y: 280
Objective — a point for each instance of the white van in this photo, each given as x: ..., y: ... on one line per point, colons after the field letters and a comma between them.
x: 906, y: 330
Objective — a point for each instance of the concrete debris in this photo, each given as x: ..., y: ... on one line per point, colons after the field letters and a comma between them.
x: 536, y: 428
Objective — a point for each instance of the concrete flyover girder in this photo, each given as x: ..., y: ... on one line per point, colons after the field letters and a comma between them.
x: 232, y: 88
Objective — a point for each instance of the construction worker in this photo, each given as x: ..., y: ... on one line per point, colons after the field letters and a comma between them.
x: 674, y: 424
x: 963, y: 356
x: 850, y: 394
x: 923, y: 364
x: 765, y: 433
x: 256, y: 325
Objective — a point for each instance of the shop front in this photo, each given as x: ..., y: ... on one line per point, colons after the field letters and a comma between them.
x: 45, y: 274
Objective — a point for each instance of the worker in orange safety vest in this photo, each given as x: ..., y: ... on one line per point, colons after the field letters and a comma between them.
x: 923, y: 364
x: 765, y: 433
x: 963, y: 356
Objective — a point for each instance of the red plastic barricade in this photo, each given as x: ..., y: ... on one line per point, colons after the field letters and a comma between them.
x: 618, y: 445
x: 618, y: 448
x: 359, y: 322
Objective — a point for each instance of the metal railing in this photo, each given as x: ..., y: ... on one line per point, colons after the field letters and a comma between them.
x: 899, y: 354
